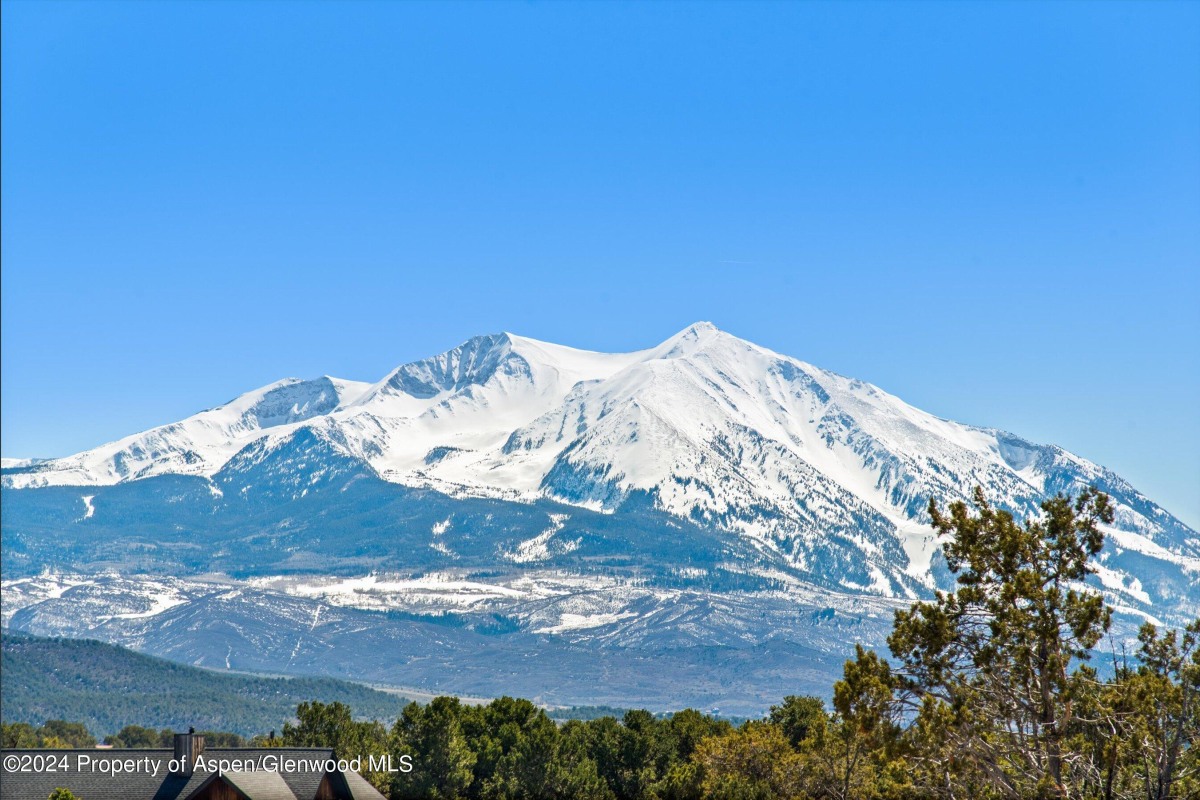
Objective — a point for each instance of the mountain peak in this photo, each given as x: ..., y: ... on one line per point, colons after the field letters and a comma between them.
x: 822, y: 471
x: 690, y: 340
x: 697, y: 329
x: 472, y: 362
x: 488, y: 340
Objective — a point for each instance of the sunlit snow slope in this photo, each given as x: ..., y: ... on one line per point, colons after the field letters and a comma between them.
x: 808, y: 466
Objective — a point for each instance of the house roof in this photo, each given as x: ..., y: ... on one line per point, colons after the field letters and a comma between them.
x: 358, y: 788
x: 256, y: 785
x: 129, y: 774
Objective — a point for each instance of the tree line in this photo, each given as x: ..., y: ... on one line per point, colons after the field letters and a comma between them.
x: 991, y: 692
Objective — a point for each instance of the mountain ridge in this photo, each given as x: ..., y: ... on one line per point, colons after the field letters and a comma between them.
x: 712, y: 428
x: 704, y: 508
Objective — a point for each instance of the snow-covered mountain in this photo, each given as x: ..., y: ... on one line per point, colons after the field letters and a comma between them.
x: 198, y: 445
x: 816, y: 468
x: 706, y: 507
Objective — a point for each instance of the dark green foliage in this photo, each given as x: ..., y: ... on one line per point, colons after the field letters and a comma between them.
x: 55, y: 734
x: 222, y: 739
x: 1154, y: 712
x: 73, y: 734
x: 509, y: 749
x: 1005, y: 651
x: 754, y: 763
x: 19, y: 735
x: 585, y: 712
x: 139, y: 737
x: 108, y: 687
x: 690, y: 727
x: 333, y: 725
x: 135, y: 736
x: 801, y: 718
x: 433, y: 733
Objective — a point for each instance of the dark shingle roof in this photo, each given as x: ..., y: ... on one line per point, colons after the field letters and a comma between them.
x: 258, y: 785
x: 87, y: 773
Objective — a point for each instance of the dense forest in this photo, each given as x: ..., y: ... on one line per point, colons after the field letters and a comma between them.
x: 989, y: 691
x: 106, y: 687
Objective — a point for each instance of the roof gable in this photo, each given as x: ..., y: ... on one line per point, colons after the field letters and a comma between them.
x: 249, y: 785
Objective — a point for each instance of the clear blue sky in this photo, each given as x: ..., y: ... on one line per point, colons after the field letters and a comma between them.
x: 990, y: 210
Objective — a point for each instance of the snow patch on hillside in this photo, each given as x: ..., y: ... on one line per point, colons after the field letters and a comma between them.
x: 807, y: 465
x: 538, y: 548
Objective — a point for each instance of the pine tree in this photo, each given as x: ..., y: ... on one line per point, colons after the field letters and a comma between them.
x: 1002, y: 659
x: 433, y: 737
x: 1157, y: 704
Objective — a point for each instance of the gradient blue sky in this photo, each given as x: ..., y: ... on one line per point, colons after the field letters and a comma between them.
x: 990, y: 210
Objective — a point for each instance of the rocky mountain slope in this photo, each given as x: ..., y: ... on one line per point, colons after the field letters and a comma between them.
x: 705, y: 493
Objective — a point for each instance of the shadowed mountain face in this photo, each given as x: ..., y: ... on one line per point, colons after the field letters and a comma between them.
x: 704, y: 498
